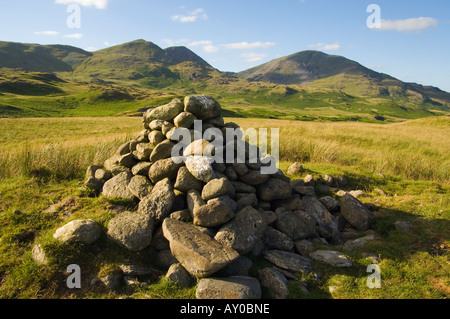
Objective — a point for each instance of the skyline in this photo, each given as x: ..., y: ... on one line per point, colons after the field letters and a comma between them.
x: 410, y: 44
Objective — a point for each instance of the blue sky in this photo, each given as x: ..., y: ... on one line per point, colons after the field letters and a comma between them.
x: 412, y: 42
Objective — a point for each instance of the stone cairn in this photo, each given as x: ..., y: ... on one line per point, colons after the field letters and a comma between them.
x: 203, y: 219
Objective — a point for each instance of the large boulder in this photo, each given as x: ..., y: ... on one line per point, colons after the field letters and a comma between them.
x: 243, y: 231
x: 200, y: 167
x: 85, y: 231
x: 235, y: 287
x: 117, y: 187
x: 213, y: 214
x: 199, y: 254
x: 165, y: 112
x: 132, y: 230
x: 296, y: 224
x: 202, y: 106
x: 158, y: 205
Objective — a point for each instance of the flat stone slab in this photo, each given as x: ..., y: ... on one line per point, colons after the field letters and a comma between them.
x: 199, y: 254
x: 288, y: 260
x: 235, y: 287
x: 331, y: 257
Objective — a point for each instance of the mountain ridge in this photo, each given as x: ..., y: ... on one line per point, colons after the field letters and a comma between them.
x: 295, y: 84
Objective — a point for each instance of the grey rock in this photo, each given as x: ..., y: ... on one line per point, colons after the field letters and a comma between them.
x: 162, y: 169
x: 218, y: 187
x: 235, y: 287
x: 288, y: 260
x: 159, y: 242
x: 141, y: 168
x: 254, y: 178
x: 309, y: 180
x: 194, y: 201
x: 184, y: 119
x: 305, y: 190
x: 183, y: 215
x: 138, y: 270
x: 355, y: 213
x: 240, y: 168
x: 156, y: 137
x: 330, y: 203
x: 212, y: 214
x: 158, y: 205
x: 331, y: 257
x: 295, y: 169
x: 231, y: 174
x: 140, y: 186
x: 242, y: 187
x: 179, y: 275
x: 319, y: 212
x: 295, y: 224
x: 165, y: 112
x: 199, y: 254
x: 293, y: 203
x: 247, y: 200
x: 117, y: 187
x: 102, y: 174
x: 241, y: 233
x: 85, y: 231
x: 304, y: 247
x: 202, y: 106
x: 186, y: 181
x: 241, y: 267
x: 274, y: 239
x: 275, y: 282
x: 274, y: 189
x: 131, y: 230
x: 357, y: 243
x: 162, y: 151
x: 225, y: 200
x: 200, y: 167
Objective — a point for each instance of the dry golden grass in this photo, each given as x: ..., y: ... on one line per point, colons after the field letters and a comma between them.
x: 414, y: 150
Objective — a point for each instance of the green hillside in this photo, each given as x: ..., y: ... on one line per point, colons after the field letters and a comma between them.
x: 56, y: 80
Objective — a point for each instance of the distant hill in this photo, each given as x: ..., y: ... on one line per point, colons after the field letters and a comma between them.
x: 144, y: 62
x: 60, y: 80
x: 320, y: 70
x: 40, y: 58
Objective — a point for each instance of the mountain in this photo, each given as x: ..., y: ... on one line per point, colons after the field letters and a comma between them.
x: 319, y: 70
x: 144, y: 62
x: 59, y: 80
x: 304, y: 67
x: 40, y: 58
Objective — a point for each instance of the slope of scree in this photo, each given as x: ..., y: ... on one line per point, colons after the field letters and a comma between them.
x: 202, y: 219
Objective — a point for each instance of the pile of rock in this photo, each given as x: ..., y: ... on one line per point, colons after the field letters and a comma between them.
x: 202, y: 218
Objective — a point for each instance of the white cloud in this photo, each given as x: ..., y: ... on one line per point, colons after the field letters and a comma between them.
x: 73, y: 36
x: 253, y: 57
x: 50, y: 33
x: 210, y: 48
x: 99, y: 4
x: 412, y: 24
x: 191, y: 16
x: 247, y: 45
x: 326, y: 47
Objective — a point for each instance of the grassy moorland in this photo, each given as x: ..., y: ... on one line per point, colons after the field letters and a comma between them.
x: 402, y: 167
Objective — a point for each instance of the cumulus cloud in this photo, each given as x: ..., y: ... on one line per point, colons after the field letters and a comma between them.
x: 326, y: 47
x: 49, y: 33
x: 253, y: 57
x: 99, y: 4
x: 248, y: 46
x: 191, y: 16
x: 411, y: 24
